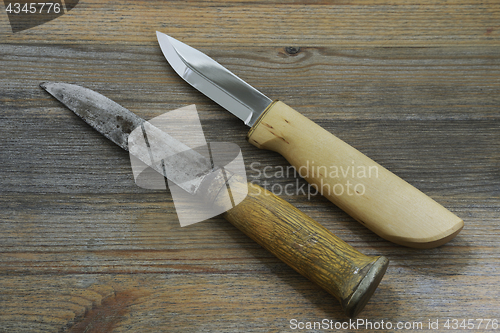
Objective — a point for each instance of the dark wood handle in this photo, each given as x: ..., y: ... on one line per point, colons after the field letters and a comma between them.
x: 307, y: 246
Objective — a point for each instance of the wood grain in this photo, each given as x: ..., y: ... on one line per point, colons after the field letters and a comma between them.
x: 371, y: 194
x: 305, y: 245
x: 413, y: 85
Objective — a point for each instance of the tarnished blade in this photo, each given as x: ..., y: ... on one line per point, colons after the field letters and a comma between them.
x: 182, y: 165
x: 107, y: 117
x: 213, y: 80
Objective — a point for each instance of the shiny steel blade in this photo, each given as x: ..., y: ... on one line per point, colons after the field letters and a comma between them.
x: 185, y: 167
x: 213, y: 80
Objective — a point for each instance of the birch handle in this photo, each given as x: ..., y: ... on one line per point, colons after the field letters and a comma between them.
x: 368, y: 192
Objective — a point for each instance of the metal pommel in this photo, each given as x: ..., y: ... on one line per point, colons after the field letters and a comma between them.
x: 365, y: 289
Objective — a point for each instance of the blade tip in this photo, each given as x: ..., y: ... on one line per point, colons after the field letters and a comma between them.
x: 164, y: 38
x: 161, y: 35
x: 47, y: 85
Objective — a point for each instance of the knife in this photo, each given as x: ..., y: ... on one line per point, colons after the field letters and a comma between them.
x: 381, y: 201
x: 276, y: 225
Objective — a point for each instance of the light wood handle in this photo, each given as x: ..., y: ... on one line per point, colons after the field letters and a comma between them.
x: 306, y: 246
x: 371, y: 194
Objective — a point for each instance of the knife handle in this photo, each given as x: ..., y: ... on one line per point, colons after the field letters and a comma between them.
x: 368, y: 192
x: 306, y: 246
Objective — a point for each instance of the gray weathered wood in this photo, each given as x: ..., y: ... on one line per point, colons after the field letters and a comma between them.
x: 415, y: 86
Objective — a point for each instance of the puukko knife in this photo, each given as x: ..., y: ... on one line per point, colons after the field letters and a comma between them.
x: 276, y: 225
x: 385, y: 203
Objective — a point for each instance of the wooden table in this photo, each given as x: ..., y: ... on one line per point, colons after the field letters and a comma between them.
x: 414, y: 85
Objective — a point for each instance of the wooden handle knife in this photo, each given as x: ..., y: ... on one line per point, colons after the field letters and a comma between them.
x: 276, y: 225
x: 377, y: 198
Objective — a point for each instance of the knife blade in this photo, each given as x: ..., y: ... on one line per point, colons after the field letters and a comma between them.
x: 381, y: 201
x: 186, y: 168
x: 279, y: 227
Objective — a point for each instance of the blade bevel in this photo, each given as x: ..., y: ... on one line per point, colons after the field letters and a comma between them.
x: 213, y: 80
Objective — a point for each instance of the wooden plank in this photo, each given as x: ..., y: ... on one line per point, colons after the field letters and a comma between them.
x: 414, y: 85
x: 363, y: 23
x: 369, y: 98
